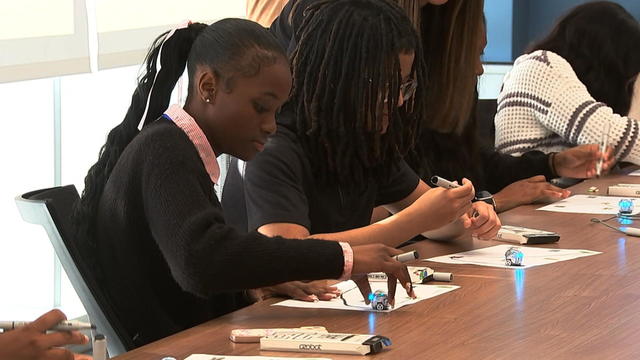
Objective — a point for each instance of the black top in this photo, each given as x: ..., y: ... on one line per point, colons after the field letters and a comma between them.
x: 280, y: 187
x: 166, y: 258
x: 453, y: 157
x: 446, y: 155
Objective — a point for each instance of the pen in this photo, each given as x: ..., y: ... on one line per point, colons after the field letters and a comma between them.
x: 67, y: 325
x: 408, y: 256
x: 603, y: 146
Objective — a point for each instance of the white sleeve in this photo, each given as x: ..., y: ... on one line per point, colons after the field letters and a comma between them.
x: 566, y: 114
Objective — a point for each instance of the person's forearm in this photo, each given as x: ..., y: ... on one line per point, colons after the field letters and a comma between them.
x: 392, y: 231
x: 447, y: 232
x: 503, y: 202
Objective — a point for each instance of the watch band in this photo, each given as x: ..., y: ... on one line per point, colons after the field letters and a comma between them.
x: 485, y: 196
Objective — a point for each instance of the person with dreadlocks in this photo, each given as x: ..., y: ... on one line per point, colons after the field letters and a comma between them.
x: 453, y: 37
x: 164, y: 255
x: 352, y: 116
x: 289, y: 19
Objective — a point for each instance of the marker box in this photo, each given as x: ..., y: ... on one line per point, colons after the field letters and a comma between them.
x: 329, y: 343
x: 624, y: 190
x: 526, y: 236
x: 254, y: 335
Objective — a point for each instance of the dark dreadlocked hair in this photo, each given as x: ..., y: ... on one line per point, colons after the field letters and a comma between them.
x: 346, y: 72
x: 229, y: 47
x: 413, y: 10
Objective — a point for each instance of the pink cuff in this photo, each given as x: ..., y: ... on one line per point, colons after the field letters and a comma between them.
x: 347, y: 252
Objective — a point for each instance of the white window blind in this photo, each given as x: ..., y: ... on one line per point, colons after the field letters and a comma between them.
x: 127, y: 28
x: 43, y: 38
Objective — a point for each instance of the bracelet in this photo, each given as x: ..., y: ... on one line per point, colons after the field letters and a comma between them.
x: 552, y: 165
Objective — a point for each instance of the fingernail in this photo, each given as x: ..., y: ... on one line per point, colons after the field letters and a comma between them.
x: 86, y: 339
x: 314, y: 298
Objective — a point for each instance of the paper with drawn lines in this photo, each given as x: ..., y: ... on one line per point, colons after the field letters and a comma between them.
x: 590, y: 204
x: 494, y: 256
x: 355, y: 301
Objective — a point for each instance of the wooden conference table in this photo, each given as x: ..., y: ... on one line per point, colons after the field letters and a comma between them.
x: 587, y: 308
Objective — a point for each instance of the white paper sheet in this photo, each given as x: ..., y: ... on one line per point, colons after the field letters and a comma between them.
x: 494, y: 256
x: 590, y: 204
x: 635, y: 173
x: 354, y: 299
x: 224, y: 357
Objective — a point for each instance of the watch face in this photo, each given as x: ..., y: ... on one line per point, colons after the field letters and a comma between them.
x: 484, y: 195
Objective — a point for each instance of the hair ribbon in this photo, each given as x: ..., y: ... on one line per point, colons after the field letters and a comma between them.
x: 182, y: 25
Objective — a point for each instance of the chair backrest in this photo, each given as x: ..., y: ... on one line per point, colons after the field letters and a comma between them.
x: 233, y: 198
x: 52, y: 208
x: 485, y: 112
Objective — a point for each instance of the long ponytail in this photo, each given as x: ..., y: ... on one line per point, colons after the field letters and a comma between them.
x: 175, y: 52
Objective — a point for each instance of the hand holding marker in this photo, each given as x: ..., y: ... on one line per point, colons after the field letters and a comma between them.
x: 444, y: 183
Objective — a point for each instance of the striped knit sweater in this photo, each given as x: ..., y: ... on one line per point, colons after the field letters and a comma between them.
x: 544, y: 106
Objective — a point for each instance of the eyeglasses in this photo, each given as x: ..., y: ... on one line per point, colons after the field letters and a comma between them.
x: 407, y: 89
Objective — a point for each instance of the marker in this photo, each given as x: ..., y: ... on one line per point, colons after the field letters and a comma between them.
x: 442, y: 276
x: 67, y: 325
x: 627, y: 230
x: 408, y: 256
x: 603, y: 146
x: 444, y: 183
x: 99, y: 347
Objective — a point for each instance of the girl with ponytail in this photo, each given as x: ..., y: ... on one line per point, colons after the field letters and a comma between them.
x: 165, y: 258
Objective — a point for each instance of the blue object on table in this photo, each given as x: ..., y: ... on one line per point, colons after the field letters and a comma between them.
x: 379, y: 300
x: 626, y: 206
x: 513, y: 257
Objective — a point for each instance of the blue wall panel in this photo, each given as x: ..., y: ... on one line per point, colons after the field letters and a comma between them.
x: 514, y: 24
x: 499, y: 15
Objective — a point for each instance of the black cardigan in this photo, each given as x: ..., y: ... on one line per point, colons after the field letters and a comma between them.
x: 165, y: 256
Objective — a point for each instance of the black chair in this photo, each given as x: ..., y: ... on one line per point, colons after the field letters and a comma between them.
x: 52, y: 208
x: 233, y: 198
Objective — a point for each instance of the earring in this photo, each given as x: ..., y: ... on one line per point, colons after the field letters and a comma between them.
x: 207, y: 100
